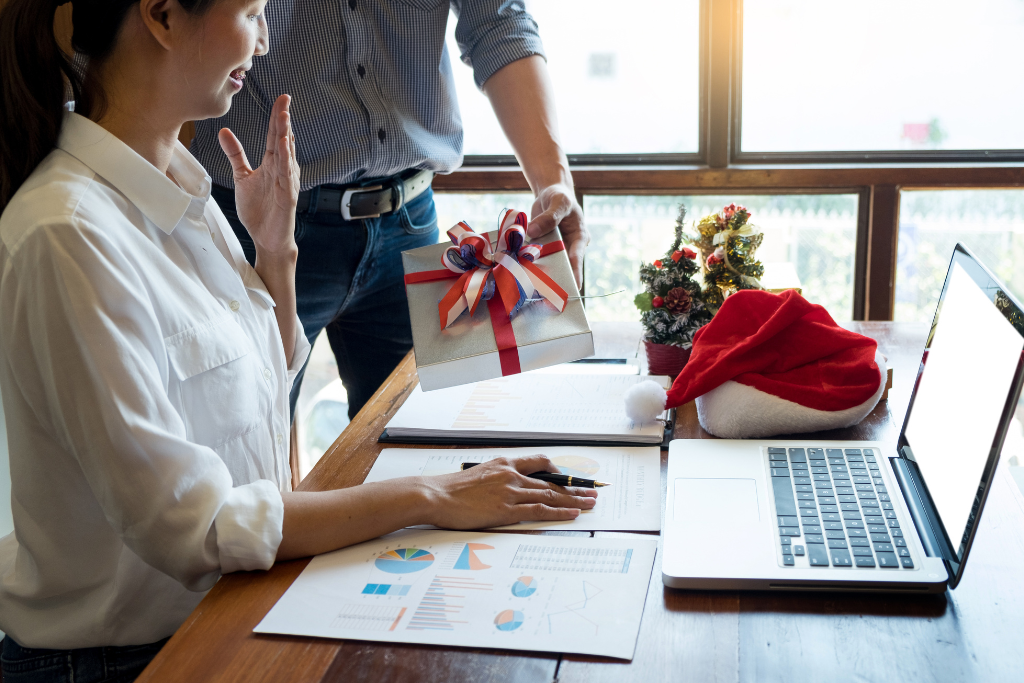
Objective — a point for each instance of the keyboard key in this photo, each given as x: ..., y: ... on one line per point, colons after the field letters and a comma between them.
x: 777, y: 460
x: 856, y: 533
x: 900, y: 542
x: 808, y: 512
x: 827, y: 500
x: 830, y: 517
x: 840, y: 477
x: 788, y: 561
x: 868, y: 451
x: 872, y: 465
x: 836, y: 461
x: 888, y: 561
x: 787, y: 520
x: 819, y: 470
x: 880, y: 490
x: 785, y: 504
x: 843, y: 490
x: 855, y: 458
x: 887, y: 506
x: 907, y: 562
x: 861, y: 480
x: 893, y: 524
x: 812, y: 528
x: 833, y: 525
x: 866, y: 495
x: 834, y: 543
x: 865, y: 561
x: 829, y: 508
x: 873, y: 519
x: 825, y: 493
x: 812, y: 539
x: 797, y: 453
x: 863, y: 487
x: 779, y: 472
x: 797, y: 466
x: 878, y: 529
x: 838, y: 468
x: 883, y: 547
x: 789, y: 531
x: 787, y: 550
x: 815, y: 454
x: 883, y: 497
x: 848, y: 499
x: 802, y: 480
x: 817, y: 557
x: 818, y: 485
x: 902, y: 552
x: 777, y: 450
x: 838, y: 533
x: 853, y: 451
x: 802, y: 503
x: 851, y: 514
x: 841, y: 558
x: 861, y: 551
x: 870, y: 504
x: 880, y: 538
x: 820, y: 477
x: 785, y: 540
x: 804, y: 488
x: 845, y: 507
x: 895, y: 532
x: 805, y: 495
x: 862, y: 542
x: 798, y: 550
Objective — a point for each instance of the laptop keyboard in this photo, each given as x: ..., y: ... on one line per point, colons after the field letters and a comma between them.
x: 833, y: 509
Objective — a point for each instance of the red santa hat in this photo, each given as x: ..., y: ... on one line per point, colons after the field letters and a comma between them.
x: 771, y: 364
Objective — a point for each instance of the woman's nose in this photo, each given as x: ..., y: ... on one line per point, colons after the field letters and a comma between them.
x: 262, y: 38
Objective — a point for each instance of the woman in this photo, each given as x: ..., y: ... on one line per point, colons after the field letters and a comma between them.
x: 144, y: 365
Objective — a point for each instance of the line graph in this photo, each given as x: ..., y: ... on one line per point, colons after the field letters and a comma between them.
x: 575, y: 615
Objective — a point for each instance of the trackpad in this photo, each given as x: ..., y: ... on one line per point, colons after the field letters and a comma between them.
x: 716, y: 502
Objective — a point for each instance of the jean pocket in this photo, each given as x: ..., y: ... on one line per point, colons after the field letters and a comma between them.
x: 420, y: 215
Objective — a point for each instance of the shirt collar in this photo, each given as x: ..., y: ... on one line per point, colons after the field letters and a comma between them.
x: 156, y: 196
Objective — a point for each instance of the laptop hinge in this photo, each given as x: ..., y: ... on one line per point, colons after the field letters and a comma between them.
x: 934, y: 545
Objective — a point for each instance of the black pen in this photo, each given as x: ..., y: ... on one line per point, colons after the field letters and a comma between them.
x: 552, y: 478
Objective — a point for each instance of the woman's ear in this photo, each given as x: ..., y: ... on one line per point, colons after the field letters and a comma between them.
x: 163, y: 19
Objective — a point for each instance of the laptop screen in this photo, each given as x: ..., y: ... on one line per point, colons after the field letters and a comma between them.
x: 967, y: 374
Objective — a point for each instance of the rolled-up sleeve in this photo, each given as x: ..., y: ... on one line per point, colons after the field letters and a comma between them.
x: 82, y: 322
x: 494, y: 33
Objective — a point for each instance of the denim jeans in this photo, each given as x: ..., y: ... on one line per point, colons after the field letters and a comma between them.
x: 85, y: 665
x: 349, y: 280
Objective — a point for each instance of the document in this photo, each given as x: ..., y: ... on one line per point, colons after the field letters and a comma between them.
x: 494, y: 590
x: 631, y: 503
x: 544, y: 407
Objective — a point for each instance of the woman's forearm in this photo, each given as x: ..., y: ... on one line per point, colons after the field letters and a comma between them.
x: 277, y: 271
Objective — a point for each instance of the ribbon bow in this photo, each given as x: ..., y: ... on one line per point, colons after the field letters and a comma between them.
x: 509, y: 269
x: 745, y: 231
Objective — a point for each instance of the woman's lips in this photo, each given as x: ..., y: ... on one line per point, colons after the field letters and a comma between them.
x: 236, y: 77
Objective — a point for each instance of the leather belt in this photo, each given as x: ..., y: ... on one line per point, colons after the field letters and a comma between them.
x: 356, y: 202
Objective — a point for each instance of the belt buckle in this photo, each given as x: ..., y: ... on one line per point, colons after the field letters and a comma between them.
x: 346, y: 200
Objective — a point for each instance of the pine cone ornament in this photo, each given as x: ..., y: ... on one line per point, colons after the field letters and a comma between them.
x: 678, y: 301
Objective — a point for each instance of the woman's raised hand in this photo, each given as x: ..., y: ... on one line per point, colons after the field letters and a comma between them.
x: 498, y: 492
x: 265, y: 198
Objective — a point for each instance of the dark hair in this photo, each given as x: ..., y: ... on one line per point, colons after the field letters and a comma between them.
x: 35, y: 75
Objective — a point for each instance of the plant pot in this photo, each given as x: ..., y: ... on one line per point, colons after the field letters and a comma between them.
x: 664, y: 359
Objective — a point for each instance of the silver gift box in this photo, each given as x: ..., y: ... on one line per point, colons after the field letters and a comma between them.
x: 466, y: 351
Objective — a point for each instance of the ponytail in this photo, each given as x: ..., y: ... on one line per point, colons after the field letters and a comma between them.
x: 32, y: 89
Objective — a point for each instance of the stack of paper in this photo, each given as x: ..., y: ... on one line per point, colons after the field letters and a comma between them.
x: 533, y: 408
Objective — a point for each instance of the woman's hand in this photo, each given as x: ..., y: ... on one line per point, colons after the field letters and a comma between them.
x: 498, y: 492
x: 265, y: 198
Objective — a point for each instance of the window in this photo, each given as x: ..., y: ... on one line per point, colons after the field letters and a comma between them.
x: 625, y: 77
x: 989, y: 222
x: 881, y: 75
x: 814, y: 233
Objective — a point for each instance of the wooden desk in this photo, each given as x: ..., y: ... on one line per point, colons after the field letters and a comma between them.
x: 973, y: 632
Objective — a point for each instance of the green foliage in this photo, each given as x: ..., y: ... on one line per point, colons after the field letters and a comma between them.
x: 680, y: 309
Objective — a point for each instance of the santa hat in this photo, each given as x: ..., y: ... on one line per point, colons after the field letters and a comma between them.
x: 771, y: 364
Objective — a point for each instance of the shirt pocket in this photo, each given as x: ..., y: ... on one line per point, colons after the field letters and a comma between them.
x: 219, y: 381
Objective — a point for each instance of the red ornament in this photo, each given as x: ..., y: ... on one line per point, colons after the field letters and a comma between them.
x: 689, y: 253
x: 676, y: 255
x: 658, y: 264
x: 716, y: 257
x: 657, y: 302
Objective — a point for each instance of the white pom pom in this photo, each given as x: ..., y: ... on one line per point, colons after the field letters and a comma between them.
x: 645, y: 401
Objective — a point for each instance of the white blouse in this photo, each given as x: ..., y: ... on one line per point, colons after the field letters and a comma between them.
x: 146, y: 394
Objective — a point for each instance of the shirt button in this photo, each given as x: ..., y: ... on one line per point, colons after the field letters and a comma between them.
x: 361, y: 71
x: 234, y: 305
x: 381, y: 134
x: 266, y: 373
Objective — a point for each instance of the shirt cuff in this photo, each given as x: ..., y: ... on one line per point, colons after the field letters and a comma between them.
x: 299, y: 355
x: 249, y: 527
x: 509, y: 41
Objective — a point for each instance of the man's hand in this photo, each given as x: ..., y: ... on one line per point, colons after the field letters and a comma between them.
x: 556, y: 205
x: 265, y: 198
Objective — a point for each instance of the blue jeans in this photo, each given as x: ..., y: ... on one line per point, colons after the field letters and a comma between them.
x: 85, y: 665
x: 349, y: 280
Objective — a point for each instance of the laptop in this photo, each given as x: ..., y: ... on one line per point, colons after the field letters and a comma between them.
x: 815, y: 514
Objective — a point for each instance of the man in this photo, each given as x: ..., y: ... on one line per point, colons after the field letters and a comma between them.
x: 375, y: 116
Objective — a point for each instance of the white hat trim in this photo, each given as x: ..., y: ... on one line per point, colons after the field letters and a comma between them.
x: 738, y: 411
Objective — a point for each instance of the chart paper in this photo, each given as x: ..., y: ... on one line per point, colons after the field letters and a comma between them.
x: 505, y: 591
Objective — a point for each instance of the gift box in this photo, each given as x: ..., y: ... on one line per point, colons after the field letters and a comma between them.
x: 493, y: 304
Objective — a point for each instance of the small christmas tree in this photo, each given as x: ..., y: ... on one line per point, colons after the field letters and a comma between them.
x: 727, y: 242
x: 672, y: 306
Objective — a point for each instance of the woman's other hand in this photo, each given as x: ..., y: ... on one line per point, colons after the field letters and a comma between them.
x: 266, y: 197
x: 499, y: 492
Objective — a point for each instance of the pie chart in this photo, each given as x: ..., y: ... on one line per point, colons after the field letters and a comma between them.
x: 576, y: 465
x: 509, y: 620
x: 524, y: 587
x: 404, y: 561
